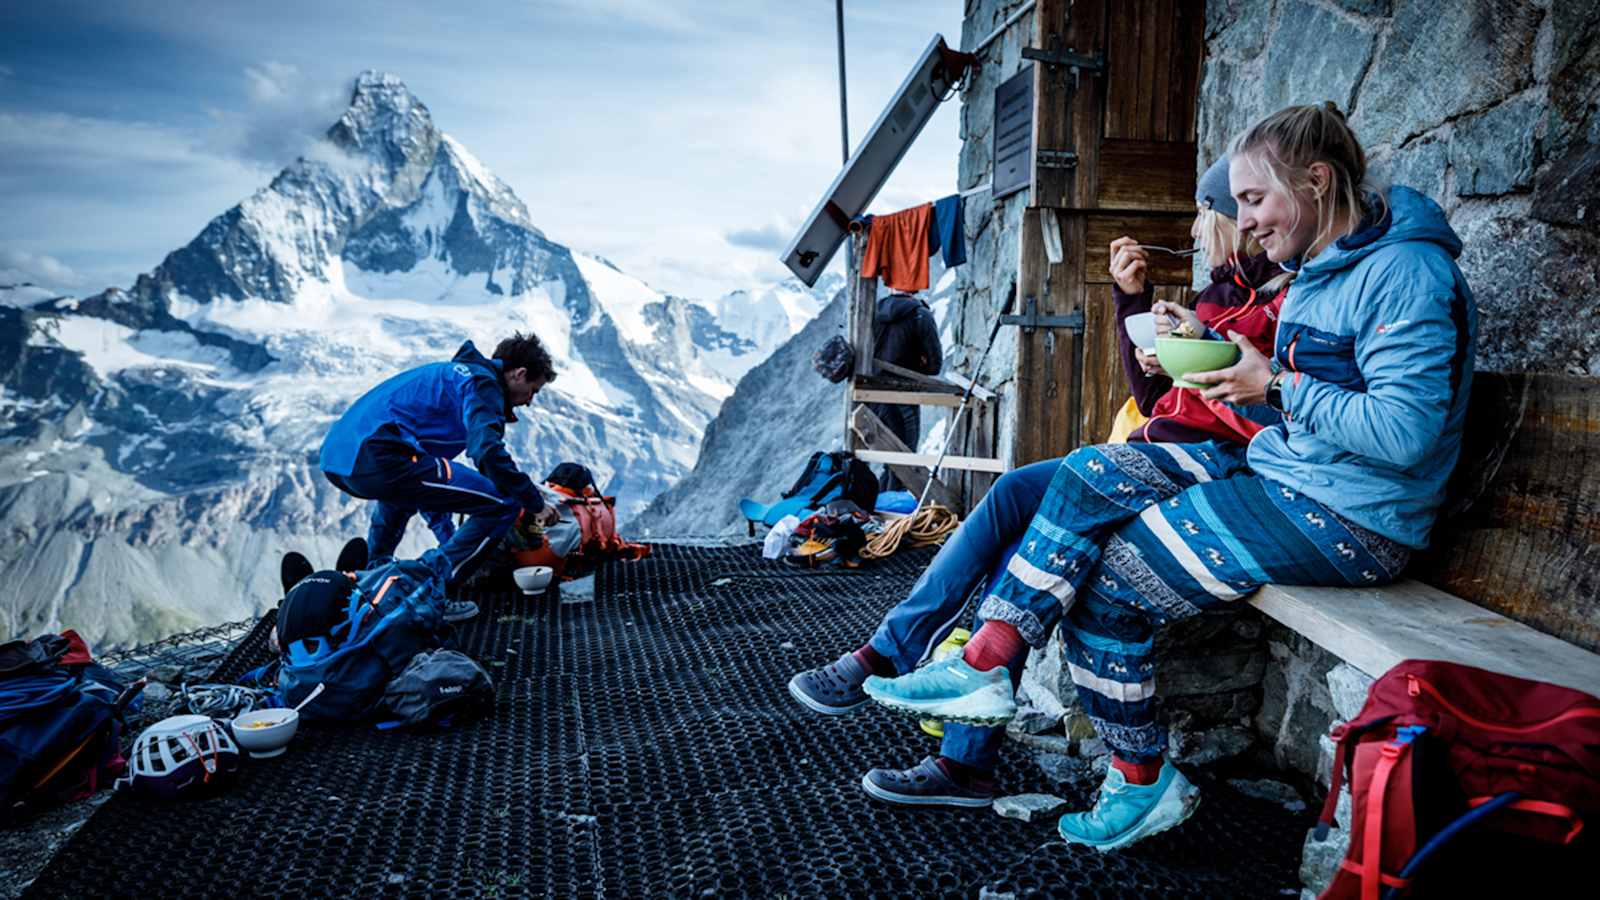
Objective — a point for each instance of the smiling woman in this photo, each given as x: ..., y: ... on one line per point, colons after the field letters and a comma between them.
x: 1371, y: 367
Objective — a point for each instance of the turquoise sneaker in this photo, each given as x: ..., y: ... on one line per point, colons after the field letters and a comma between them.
x: 1125, y: 813
x: 949, y: 690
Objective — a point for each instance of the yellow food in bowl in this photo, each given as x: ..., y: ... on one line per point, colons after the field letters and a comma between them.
x: 263, y: 724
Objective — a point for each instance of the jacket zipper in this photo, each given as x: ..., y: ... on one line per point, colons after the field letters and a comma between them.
x: 1415, y: 685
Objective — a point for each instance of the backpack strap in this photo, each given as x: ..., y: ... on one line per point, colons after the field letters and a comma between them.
x: 1538, y: 808
x: 1391, y: 755
x: 1344, y: 753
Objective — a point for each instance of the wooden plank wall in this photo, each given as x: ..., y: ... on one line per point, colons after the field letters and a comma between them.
x: 1520, y: 533
x: 1154, y: 48
x: 1048, y: 392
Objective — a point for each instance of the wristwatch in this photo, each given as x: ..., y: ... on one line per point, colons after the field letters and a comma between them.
x: 1275, y: 391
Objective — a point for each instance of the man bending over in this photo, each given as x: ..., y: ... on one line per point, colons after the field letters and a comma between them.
x: 396, y: 444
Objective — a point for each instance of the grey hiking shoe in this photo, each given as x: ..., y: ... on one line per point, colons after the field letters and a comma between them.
x: 833, y: 689
x: 459, y: 610
x: 924, y: 784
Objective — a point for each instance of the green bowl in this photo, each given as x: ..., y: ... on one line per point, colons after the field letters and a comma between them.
x: 1180, y: 356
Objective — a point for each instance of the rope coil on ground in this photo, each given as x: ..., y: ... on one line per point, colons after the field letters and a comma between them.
x: 930, y: 524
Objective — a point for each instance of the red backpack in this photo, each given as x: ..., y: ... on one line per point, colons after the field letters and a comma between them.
x: 1446, y: 757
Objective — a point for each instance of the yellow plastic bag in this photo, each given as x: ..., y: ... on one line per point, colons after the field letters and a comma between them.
x: 1128, y: 420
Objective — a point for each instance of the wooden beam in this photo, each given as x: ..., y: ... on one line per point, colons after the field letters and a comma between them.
x: 877, y: 437
x: 1375, y: 628
x: 909, y: 398
x: 924, y: 460
x: 1067, y: 113
x: 956, y: 383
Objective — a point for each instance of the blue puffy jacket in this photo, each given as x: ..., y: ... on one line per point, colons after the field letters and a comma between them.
x: 1379, y: 331
x: 440, y: 409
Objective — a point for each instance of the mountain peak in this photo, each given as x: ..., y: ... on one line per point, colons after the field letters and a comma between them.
x: 387, y: 121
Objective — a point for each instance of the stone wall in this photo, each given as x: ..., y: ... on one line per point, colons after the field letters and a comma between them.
x: 1487, y: 106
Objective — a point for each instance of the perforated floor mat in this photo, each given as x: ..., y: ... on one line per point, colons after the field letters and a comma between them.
x: 644, y: 744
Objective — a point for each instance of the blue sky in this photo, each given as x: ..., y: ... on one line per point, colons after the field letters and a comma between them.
x: 682, y: 139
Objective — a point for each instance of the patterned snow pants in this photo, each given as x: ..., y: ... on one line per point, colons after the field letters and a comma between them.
x: 1132, y: 536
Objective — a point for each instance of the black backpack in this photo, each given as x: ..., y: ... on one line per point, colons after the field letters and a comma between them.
x: 836, y: 475
x: 572, y: 476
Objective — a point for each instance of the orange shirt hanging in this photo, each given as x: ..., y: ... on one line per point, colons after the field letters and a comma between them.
x: 897, y: 249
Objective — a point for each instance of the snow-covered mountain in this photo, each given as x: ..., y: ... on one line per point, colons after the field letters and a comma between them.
x: 158, y: 444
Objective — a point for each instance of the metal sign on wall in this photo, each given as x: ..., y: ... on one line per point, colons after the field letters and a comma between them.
x: 1013, y: 134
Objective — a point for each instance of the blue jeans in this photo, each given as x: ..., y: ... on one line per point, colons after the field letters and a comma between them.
x: 976, y: 552
x: 401, y: 482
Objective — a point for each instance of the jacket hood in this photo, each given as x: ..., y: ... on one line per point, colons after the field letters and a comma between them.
x: 1409, y: 216
x: 896, y: 307
x: 469, y: 354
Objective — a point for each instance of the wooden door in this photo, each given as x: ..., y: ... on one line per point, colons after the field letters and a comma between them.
x: 1114, y: 154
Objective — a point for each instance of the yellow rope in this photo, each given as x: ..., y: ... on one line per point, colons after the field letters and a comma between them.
x: 929, y: 525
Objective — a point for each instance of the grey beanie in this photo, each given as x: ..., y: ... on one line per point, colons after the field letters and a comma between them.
x: 1212, y: 190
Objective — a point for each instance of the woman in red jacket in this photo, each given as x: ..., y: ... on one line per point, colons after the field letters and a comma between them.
x: 1244, y: 295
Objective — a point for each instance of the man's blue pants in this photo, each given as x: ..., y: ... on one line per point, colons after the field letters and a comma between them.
x: 402, y: 482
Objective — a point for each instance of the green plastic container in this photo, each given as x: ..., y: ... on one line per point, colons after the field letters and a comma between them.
x: 1180, y: 356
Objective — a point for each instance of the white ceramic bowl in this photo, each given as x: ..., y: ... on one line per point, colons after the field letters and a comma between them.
x: 1141, y: 328
x: 533, y: 579
x: 265, y: 732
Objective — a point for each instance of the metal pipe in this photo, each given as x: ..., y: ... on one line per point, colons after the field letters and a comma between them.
x: 1010, y: 20
x: 844, y: 110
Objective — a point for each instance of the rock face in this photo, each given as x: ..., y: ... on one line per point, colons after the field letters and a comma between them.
x: 1487, y: 106
x: 781, y: 412
x: 158, y: 443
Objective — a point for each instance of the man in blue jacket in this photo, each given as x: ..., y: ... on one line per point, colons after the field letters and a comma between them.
x: 395, y: 444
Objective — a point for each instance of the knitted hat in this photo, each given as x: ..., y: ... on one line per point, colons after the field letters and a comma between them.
x: 1213, y: 190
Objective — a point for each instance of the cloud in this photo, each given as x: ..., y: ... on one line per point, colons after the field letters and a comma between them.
x: 17, y: 266
x: 288, y: 114
x: 771, y: 238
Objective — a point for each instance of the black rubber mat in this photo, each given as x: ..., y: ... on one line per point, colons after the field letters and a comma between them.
x: 644, y: 744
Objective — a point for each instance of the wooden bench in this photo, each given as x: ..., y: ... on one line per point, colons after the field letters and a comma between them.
x: 1518, y: 547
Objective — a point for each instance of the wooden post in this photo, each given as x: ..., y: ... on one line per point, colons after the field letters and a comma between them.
x: 863, y: 302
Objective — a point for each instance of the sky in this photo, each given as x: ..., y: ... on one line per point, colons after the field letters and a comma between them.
x: 684, y: 140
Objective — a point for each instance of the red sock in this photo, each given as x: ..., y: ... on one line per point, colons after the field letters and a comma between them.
x: 995, y: 644
x: 1138, y: 773
x: 875, y: 662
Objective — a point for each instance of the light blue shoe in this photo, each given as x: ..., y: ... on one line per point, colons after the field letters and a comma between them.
x: 1125, y: 813
x: 950, y: 690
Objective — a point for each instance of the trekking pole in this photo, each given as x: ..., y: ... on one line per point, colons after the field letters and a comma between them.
x: 955, y: 420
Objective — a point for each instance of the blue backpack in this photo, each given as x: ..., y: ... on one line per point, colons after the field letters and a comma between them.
x: 828, y: 476
x: 396, y: 610
x: 59, y: 732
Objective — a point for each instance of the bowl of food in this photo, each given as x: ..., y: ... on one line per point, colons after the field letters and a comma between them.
x: 264, y: 733
x: 1181, y: 356
x: 533, y: 579
x: 1141, y: 328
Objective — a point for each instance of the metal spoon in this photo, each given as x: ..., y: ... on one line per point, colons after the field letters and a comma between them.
x: 311, y: 696
x: 1190, y: 252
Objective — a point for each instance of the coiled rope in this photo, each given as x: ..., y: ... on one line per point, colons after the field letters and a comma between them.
x: 930, y: 524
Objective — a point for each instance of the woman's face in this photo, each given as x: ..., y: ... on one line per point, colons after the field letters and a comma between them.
x: 1283, y: 224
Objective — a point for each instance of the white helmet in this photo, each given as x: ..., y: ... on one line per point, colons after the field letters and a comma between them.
x: 180, y: 754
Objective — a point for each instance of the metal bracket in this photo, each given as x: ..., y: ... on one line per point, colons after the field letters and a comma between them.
x: 1076, y: 63
x: 1056, y: 159
x: 1030, y: 319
